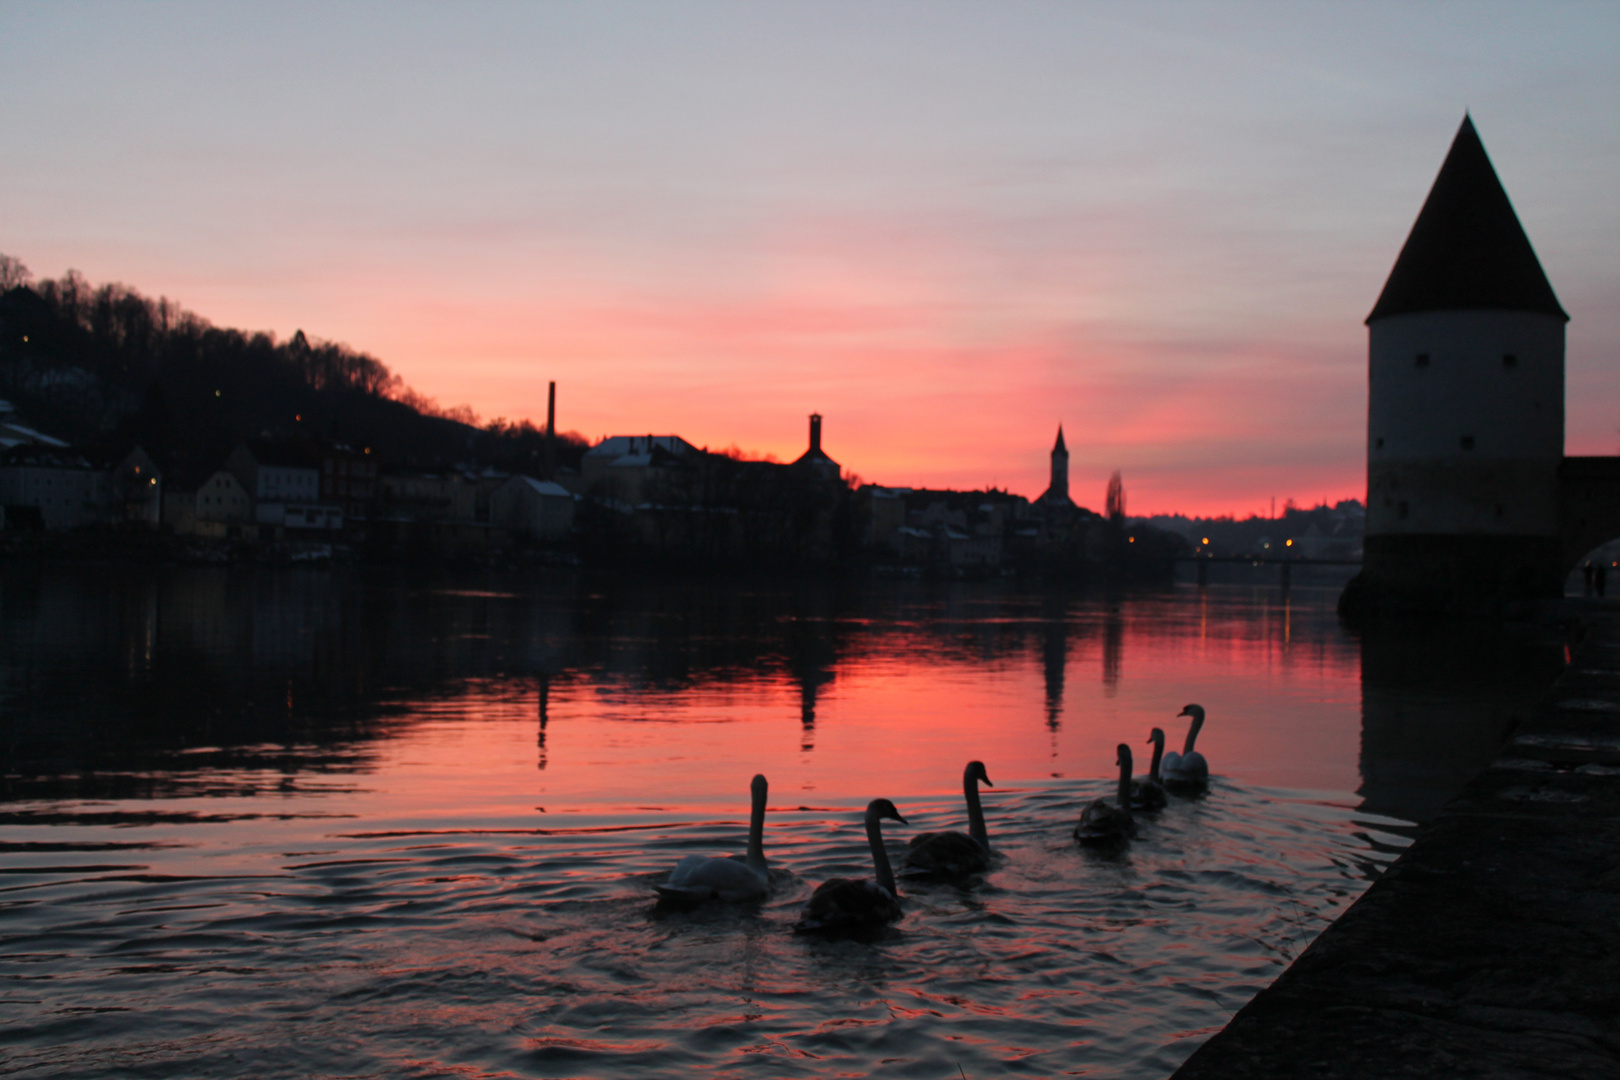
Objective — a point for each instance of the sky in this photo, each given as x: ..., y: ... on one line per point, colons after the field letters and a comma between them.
x: 947, y: 227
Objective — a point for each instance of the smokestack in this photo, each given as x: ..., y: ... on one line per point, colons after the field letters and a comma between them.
x: 551, y: 430
x: 815, y: 433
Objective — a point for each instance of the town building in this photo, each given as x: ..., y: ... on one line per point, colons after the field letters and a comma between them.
x: 348, y: 480
x: 220, y: 508
x: 624, y: 471
x: 14, y: 433
x: 612, y: 449
x: 51, y: 487
x: 284, y: 480
x: 276, y: 473
x: 538, y: 509
x: 448, y: 496
x: 814, y: 460
x: 135, y: 489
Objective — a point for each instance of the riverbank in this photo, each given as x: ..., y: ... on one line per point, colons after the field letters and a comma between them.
x: 1488, y: 949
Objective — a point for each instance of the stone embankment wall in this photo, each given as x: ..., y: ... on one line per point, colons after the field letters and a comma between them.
x: 1491, y: 948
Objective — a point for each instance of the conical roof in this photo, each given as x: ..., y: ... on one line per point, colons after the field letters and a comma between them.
x: 1467, y: 250
x: 1059, y: 448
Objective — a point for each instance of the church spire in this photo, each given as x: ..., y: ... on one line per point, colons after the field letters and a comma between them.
x: 1057, y: 492
x: 1467, y: 250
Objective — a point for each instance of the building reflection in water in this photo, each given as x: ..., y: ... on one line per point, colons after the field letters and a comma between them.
x: 1438, y: 700
x: 203, y: 681
x: 543, y: 700
x: 1113, y: 648
x: 1054, y: 664
x: 812, y: 655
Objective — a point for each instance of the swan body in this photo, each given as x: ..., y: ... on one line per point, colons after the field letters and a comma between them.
x: 697, y: 878
x: 1148, y: 792
x: 1104, y: 823
x: 1187, y: 771
x: 844, y: 907
x: 954, y: 854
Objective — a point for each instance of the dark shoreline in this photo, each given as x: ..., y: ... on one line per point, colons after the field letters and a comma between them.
x: 1487, y: 950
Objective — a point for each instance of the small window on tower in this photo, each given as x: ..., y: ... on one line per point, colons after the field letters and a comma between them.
x: 1380, y: 443
x: 1509, y: 360
x: 1467, y: 442
x: 1498, y: 509
x: 1422, y: 359
x: 1400, y: 509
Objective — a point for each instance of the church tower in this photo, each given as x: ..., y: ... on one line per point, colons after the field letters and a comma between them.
x: 1465, y: 416
x: 1057, y: 492
x: 1059, y: 487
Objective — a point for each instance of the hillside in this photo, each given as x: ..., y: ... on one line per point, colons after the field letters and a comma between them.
x: 106, y: 368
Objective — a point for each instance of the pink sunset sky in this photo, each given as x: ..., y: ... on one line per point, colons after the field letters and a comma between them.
x: 947, y: 227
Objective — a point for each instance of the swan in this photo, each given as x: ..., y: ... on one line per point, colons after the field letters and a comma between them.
x: 1148, y: 792
x: 953, y: 854
x: 1105, y: 822
x: 697, y: 878
x: 1187, y: 771
x: 844, y: 907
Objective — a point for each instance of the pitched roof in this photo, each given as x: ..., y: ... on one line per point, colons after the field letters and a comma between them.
x: 1467, y: 250
x: 545, y: 487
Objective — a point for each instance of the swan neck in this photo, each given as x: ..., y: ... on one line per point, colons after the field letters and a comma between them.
x: 1158, y: 756
x: 756, y: 833
x: 880, y: 856
x: 1125, y: 787
x: 1192, y: 735
x: 970, y: 790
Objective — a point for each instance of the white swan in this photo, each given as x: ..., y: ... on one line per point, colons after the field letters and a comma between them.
x: 1187, y: 771
x: 844, y: 907
x: 954, y: 854
x: 697, y: 878
x: 1148, y: 792
x: 1104, y: 823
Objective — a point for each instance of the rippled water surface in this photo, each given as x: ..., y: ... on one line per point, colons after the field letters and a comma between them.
x: 324, y: 824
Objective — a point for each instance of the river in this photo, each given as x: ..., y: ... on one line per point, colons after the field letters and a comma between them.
x: 336, y: 823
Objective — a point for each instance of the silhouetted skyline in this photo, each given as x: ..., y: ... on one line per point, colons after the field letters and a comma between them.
x: 1160, y: 228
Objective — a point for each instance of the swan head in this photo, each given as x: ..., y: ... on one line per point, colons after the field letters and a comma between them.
x: 883, y: 808
x: 1124, y: 759
x: 1156, y: 737
x: 975, y: 771
x: 758, y: 786
x: 1194, y: 711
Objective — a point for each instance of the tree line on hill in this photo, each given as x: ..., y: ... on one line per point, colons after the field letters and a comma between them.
x: 106, y: 368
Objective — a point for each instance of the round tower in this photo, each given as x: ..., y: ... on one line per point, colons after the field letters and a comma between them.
x: 1465, y: 414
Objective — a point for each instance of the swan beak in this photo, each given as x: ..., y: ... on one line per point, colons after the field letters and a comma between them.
x: 1184, y: 712
x: 900, y: 819
x: 986, y: 779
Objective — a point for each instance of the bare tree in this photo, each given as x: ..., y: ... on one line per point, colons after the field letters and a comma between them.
x: 13, y: 273
x: 1114, y: 504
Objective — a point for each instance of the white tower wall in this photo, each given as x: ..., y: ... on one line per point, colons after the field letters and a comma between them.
x: 1465, y: 424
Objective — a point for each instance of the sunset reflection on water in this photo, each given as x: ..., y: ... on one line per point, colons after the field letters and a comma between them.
x: 899, y: 707
x: 341, y: 823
